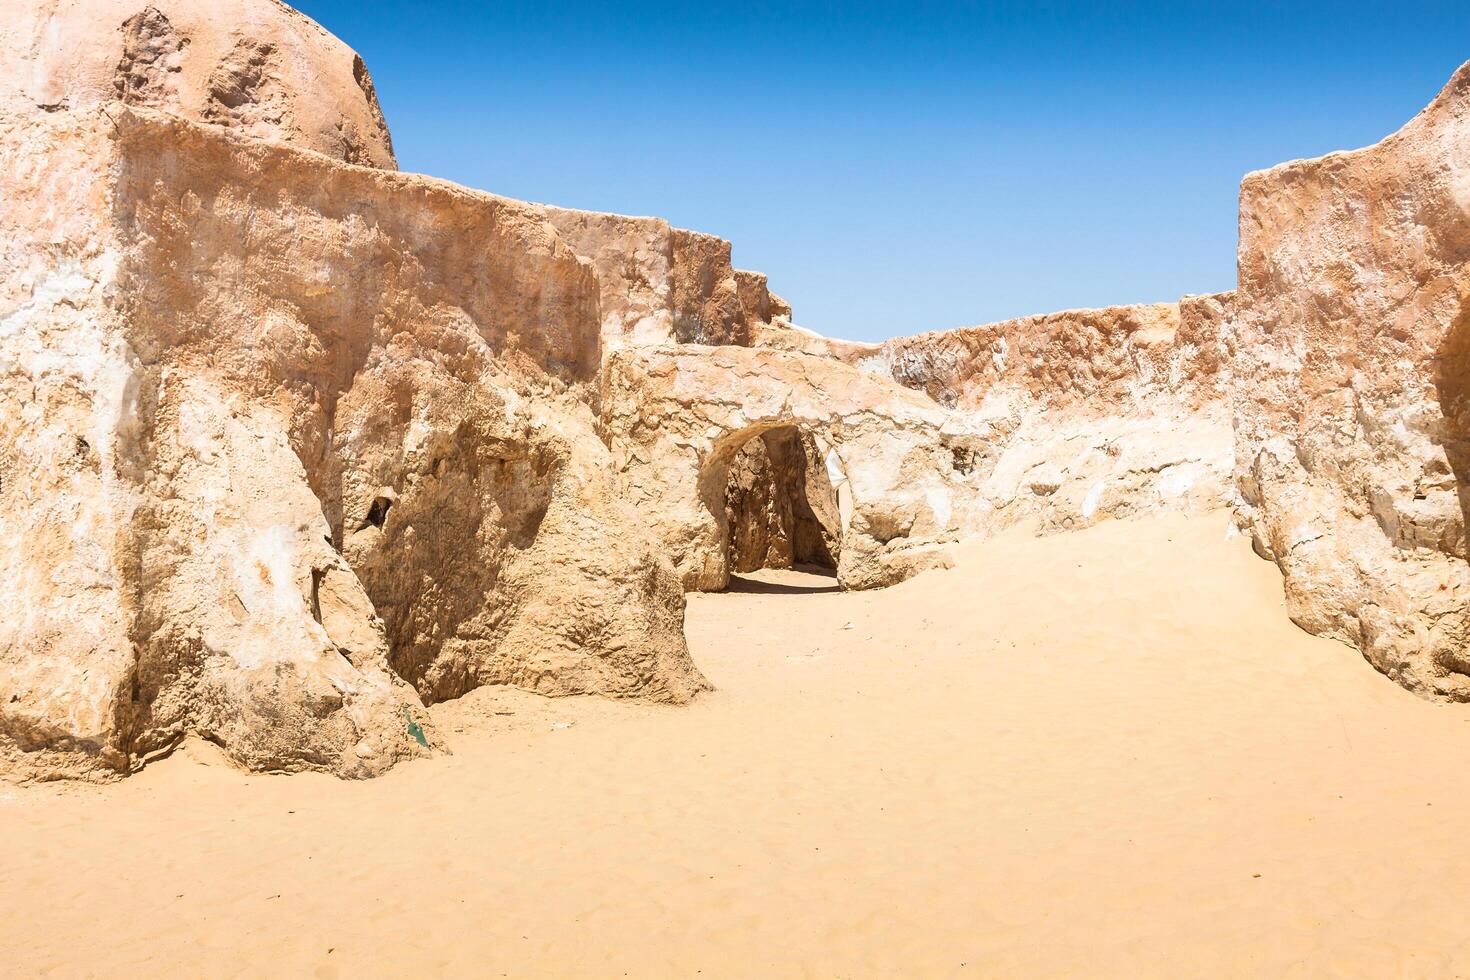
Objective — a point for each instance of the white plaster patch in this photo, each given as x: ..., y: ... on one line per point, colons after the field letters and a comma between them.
x: 1176, y: 481
x: 1093, y: 499
x: 940, y: 505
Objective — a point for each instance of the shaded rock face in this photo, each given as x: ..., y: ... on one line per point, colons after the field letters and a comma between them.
x: 1350, y: 411
x: 254, y: 66
x: 780, y: 507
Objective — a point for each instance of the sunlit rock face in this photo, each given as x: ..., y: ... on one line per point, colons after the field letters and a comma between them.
x: 1351, y: 372
x: 256, y: 67
x: 677, y: 417
x: 293, y: 445
x: 1069, y: 418
x: 290, y: 447
x: 663, y: 285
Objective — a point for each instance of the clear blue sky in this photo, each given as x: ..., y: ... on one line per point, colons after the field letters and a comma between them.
x: 907, y: 166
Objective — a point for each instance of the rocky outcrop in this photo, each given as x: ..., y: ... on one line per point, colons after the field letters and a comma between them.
x: 255, y: 66
x: 291, y: 447
x: 1351, y: 373
x: 663, y: 285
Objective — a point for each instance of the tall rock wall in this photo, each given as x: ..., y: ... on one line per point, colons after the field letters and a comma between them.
x: 1350, y: 404
x: 290, y: 447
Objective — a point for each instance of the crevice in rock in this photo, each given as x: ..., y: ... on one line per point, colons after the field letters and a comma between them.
x: 317, y: 574
x: 377, y: 513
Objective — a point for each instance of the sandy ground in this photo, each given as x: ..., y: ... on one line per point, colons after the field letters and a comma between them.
x: 1100, y: 754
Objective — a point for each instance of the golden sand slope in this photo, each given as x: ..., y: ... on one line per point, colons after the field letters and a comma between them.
x: 1104, y: 753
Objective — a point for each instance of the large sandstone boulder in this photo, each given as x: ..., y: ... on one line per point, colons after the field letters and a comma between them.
x: 1352, y: 367
x: 254, y: 66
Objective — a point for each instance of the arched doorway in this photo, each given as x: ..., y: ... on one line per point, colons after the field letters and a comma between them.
x: 780, y: 507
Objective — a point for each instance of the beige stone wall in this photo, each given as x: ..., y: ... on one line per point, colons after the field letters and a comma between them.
x: 1349, y: 403
x: 328, y: 430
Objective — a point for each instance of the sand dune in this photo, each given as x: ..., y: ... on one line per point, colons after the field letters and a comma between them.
x: 1101, y: 753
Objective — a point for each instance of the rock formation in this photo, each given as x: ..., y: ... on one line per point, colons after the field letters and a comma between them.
x: 1351, y: 367
x: 292, y: 445
x: 1073, y: 417
x: 257, y: 67
x: 677, y: 416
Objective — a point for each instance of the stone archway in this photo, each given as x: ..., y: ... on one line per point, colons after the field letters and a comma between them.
x: 781, y: 509
x: 675, y: 420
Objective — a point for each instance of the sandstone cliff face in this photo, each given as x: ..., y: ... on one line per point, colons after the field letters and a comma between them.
x: 255, y: 66
x: 291, y: 447
x: 1350, y: 408
x: 281, y: 434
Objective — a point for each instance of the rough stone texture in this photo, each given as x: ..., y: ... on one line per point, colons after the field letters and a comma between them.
x: 203, y: 429
x: 662, y: 285
x: 1352, y: 366
x: 780, y: 506
x: 1076, y: 416
x: 290, y: 447
x: 675, y: 417
x: 256, y: 66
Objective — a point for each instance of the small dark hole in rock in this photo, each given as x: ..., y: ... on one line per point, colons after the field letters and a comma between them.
x: 377, y: 513
x: 963, y: 460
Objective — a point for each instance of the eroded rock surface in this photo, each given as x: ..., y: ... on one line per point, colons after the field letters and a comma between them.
x: 676, y: 417
x: 255, y: 66
x: 1351, y: 375
x: 1072, y: 417
x: 291, y: 447
x: 663, y: 285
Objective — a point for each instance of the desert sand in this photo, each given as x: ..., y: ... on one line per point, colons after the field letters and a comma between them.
x: 1106, y: 753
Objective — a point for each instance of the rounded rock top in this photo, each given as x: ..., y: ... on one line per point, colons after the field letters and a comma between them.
x: 257, y: 67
